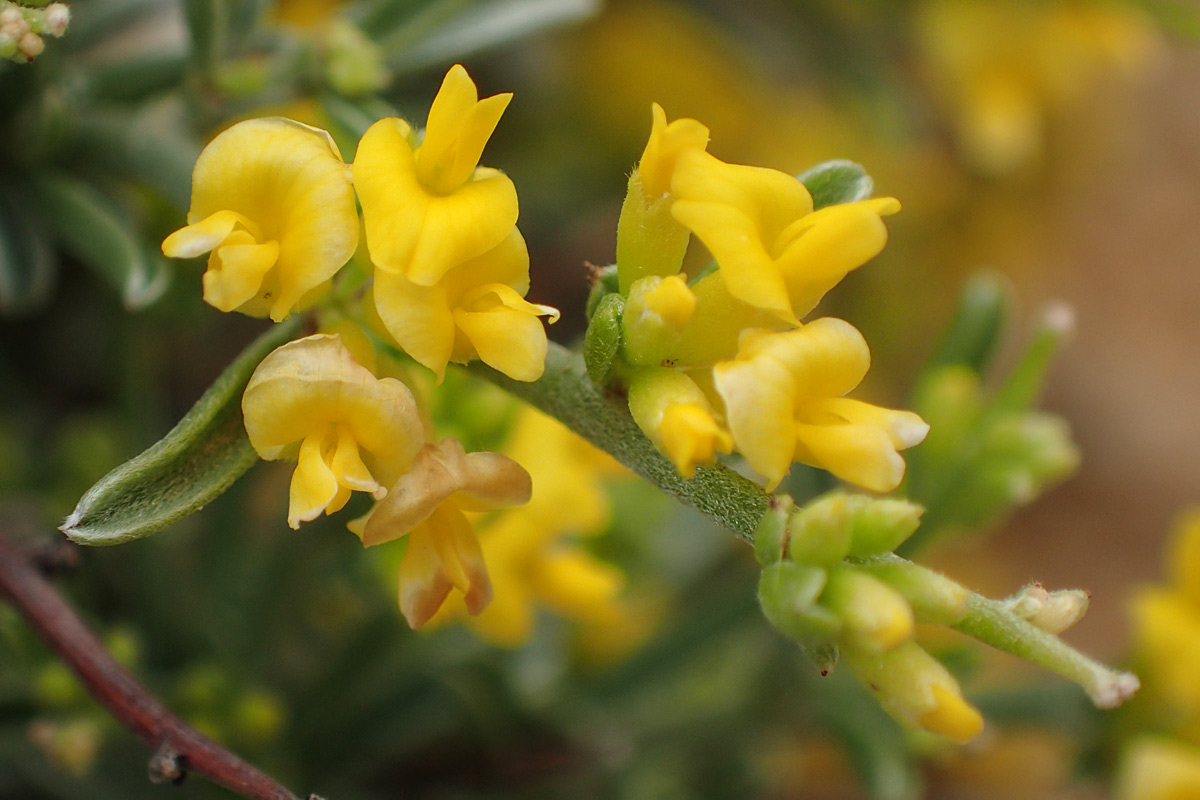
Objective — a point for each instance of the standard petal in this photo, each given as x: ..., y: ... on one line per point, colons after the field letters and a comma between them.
x: 457, y: 227
x: 394, y: 202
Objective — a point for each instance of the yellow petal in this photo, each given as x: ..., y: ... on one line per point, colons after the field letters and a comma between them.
x: 348, y: 465
x: 419, y: 318
x: 423, y: 585
x: 759, y: 407
x: 288, y: 182
x: 414, y: 231
x: 459, y: 126
x: 861, y: 454
x: 951, y: 716
x: 505, y: 331
x: 1154, y: 768
x: 315, y: 381
x: 904, y: 428
x: 314, y: 485
x: 819, y: 249
x: 1183, y: 557
x: 666, y: 143
x: 237, y: 271
x: 827, y: 357
x: 690, y: 436
x: 200, y: 237
x: 476, y: 481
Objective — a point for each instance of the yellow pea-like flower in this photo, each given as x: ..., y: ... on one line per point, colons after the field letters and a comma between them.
x: 426, y: 504
x: 273, y: 205
x: 675, y: 414
x: 784, y: 402
x: 349, y: 430
x: 775, y: 253
x: 430, y: 207
x: 475, y: 310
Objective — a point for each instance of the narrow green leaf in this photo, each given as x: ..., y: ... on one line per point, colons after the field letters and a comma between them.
x: 838, y: 181
x: 28, y: 265
x: 139, y: 147
x: 133, y: 79
x: 478, y: 26
x: 978, y: 325
x: 207, y: 21
x: 186, y: 469
x: 95, y: 21
x: 91, y: 228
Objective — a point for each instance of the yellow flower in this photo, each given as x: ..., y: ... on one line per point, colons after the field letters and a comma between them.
x: 649, y: 241
x: 783, y: 403
x: 1158, y: 769
x: 273, y: 203
x: 429, y: 208
x: 427, y: 504
x: 775, y: 253
x: 349, y: 430
x: 475, y: 310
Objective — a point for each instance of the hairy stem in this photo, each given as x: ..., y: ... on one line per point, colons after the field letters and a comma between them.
x: 178, y: 747
x: 565, y: 392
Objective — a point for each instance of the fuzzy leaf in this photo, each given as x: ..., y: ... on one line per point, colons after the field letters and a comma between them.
x: 28, y: 266
x: 838, y: 181
x: 602, y: 341
x: 194, y: 463
x: 91, y: 228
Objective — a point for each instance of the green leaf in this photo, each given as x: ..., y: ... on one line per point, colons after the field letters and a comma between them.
x: 28, y: 265
x: 978, y: 325
x: 602, y: 341
x: 91, y: 228
x: 207, y: 21
x: 186, y: 469
x: 140, y: 147
x: 838, y: 181
x: 604, y: 283
x: 451, y: 29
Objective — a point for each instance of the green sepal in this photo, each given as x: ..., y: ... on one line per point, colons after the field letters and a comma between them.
x: 770, y: 539
x: 91, y: 228
x: 604, y: 282
x: 194, y: 463
x: 788, y: 594
x: 28, y: 265
x: 837, y: 181
x: 602, y: 341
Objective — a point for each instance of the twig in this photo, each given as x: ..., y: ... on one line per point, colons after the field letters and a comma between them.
x: 178, y: 747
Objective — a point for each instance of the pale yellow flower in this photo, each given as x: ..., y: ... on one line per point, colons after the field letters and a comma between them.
x: 273, y: 204
x: 531, y: 556
x: 426, y: 504
x: 349, y: 430
x: 429, y: 208
x: 783, y: 397
x: 774, y: 252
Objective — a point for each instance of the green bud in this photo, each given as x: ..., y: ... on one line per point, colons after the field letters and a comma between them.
x: 787, y: 593
x: 604, y: 282
x: 1034, y: 447
x: 883, y: 524
x: 649, y: 240
x: 875, y: 617
x: 258, y: 717
x: 602, y: 341
x: 354, y: 64
x: 770, y: 538
x: 975, y: 332
x: 657, y: 310
x: 820, y: 532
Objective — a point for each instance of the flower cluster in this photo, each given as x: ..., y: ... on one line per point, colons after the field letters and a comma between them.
x: 724, y: 362
x: 275, y: 208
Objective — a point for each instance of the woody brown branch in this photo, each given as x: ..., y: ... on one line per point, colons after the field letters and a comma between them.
x: 22, y: 584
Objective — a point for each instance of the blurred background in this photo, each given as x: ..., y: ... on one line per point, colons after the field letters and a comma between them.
x: 1054, y: 143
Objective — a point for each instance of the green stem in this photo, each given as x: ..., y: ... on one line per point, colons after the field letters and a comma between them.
x: 991, y: 623
x: 565, y: 392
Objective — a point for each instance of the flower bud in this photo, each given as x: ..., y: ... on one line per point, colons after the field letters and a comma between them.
x: 1053, y: 612
x: 788, y: 594
x: 875, y: 617
x: 917, y: 690
x: 656, y: 312
x: 838, y: 524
